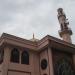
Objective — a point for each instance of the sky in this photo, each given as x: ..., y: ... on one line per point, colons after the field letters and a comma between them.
x: 22, y: 18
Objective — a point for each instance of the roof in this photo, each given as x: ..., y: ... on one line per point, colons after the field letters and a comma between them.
x: 47, y: 41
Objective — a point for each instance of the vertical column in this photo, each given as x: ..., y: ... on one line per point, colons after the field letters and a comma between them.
x: 74, y: 61
x: 32, y: 63
x: 44, y: 56
x: 6, y: 61
x: 50, y: 61
x: 35, y: 64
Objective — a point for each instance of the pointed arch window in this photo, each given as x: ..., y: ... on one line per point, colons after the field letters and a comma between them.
x: 1, y: 56
x: 25, y: 58
x: 15, y: 55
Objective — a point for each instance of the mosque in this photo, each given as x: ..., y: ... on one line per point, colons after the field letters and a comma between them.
x: 48, y: 56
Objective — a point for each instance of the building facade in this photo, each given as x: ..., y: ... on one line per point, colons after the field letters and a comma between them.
x: 48, y: 56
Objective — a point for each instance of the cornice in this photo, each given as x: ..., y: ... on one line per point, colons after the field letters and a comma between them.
x: 36, y: 46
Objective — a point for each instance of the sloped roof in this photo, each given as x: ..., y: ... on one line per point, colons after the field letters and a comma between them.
x: 47, y: 41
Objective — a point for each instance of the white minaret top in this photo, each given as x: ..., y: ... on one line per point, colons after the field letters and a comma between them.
x: 65, y: 31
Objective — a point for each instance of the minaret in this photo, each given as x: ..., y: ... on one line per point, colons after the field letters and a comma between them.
x: 65, y: 31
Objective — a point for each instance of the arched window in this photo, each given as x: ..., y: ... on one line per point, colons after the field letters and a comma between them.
x: 15, y: 55
x: 1, y: 56
x: 25, y: 58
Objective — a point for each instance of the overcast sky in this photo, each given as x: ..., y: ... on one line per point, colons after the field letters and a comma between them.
x: 25, y: 17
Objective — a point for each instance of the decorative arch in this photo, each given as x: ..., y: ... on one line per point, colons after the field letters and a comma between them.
x: 15, y: 55
x: 25, y: 57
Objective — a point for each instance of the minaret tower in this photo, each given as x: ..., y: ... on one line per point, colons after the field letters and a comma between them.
x: 65, y: 31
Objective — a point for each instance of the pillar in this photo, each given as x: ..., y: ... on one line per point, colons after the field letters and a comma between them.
x: 74, y: 61
x: 6, y: 61
x: 50, y: 61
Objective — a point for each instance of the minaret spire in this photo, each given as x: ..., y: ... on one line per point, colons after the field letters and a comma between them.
x: 65, y: 31
x: 33, y: 36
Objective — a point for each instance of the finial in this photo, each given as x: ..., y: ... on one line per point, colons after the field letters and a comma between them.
x: 33, y: 36
x: 61, y: 12
x: 60, y: 9
x: 34, y: 39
